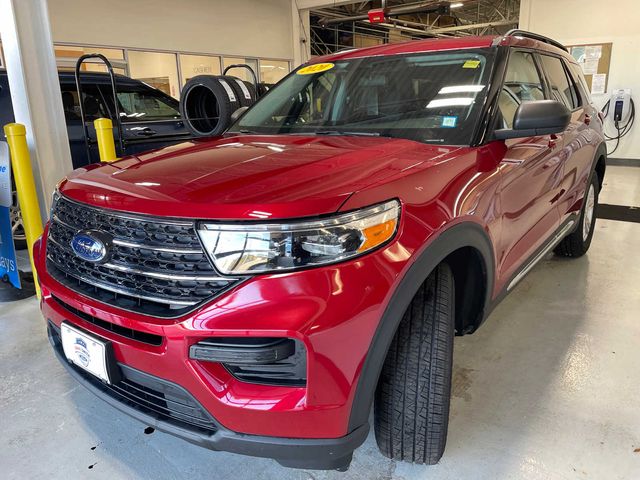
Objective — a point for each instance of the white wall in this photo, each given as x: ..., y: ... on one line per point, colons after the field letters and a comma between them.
x: 256, y: 28
x: 596, y: 21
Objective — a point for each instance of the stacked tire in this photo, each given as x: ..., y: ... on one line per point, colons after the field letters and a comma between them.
x: 207, y: 102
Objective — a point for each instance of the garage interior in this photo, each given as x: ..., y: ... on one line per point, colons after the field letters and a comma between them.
x: 547, y: 388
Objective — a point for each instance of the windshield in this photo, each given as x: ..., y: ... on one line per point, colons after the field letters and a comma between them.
x: 428, y: 97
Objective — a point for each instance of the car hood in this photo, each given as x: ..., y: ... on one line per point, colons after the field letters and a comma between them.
x: 247, y: 176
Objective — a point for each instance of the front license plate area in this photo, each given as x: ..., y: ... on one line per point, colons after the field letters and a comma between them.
x: 87, y: 351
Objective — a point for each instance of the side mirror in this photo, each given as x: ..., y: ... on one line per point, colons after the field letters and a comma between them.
x: 541, y: 117
x: 238, y: 113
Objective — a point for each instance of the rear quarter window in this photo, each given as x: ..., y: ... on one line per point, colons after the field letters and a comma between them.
x: 578, y: 77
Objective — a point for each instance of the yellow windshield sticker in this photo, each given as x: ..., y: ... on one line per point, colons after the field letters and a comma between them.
x: 316, y: 68
x: 471, y: 64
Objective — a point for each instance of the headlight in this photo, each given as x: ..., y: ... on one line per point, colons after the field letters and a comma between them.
x: 236, y: 248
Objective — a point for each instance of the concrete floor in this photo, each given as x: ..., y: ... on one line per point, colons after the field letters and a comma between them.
x: 547, y: 388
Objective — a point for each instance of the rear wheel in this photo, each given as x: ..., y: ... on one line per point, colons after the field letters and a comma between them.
x: 577, y: 243
x: 412, y: 398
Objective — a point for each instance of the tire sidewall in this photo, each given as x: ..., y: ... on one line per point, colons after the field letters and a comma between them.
x: 592, y: 182
x: 234, y: 83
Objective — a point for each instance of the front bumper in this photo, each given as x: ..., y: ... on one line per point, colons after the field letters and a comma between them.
x: 320, y: 454
x: 334, y: 311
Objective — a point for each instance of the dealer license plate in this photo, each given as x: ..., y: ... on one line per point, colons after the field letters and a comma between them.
x: 85, y: 351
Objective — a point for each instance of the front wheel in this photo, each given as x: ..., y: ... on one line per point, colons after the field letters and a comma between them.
x: 411, y: 411
x: 577, y: 243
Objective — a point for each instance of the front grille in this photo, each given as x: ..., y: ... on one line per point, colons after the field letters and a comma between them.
x: 156, y: 265
x: 151, y: 395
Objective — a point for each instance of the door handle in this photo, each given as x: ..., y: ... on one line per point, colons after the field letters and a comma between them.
x: 147, y: 132
x: 553, y: 140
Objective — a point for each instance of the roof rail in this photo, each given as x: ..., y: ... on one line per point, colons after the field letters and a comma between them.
x: 535, y: 36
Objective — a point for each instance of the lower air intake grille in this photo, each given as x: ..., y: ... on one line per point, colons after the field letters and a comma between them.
x: 137, y: 335
x: 151, y: 395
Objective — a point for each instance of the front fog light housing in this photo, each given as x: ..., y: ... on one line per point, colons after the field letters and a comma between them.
x: 245, y: 248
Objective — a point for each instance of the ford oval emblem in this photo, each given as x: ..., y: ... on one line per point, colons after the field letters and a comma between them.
x: 90, y: 246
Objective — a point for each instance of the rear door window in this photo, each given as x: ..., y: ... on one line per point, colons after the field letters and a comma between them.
x: 522, y: 83
x: 93, y: 103
x: 562, y: 88
x: 141, y: 104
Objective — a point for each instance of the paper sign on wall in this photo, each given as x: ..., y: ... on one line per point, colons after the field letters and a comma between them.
x: 598, y: 83
x: 590, y: 67
x: 578, y: 53
x: 593, y: 52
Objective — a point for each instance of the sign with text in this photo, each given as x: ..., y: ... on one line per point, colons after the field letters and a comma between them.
x: 8, y: 264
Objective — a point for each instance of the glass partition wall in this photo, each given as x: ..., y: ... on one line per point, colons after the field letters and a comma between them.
x: 160, y: 70
x: 193, y: 65
x: 169, y: 71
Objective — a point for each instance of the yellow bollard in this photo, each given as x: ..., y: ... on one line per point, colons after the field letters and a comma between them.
x: 27, y: 196
x: 106, y: 144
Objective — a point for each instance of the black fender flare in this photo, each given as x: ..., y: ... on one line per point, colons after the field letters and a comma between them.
x: 467, y: 234
x: 601, y: 152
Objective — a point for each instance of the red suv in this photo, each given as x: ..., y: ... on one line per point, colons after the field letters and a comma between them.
x: 261, y: 291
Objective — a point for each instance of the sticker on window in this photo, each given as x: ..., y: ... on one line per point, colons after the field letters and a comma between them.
x: 449, y: 122
x: 471, y: 64
x: 316, y: 68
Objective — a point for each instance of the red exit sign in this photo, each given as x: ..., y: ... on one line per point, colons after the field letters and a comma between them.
x: 377, y: 15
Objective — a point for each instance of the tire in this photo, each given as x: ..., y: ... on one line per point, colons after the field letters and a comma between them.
x: 411, y: 409
x: 252, y: 89
x: 243, y: 94
x: 577, y: 243
x: 17, y: 227
x: 206, y: 105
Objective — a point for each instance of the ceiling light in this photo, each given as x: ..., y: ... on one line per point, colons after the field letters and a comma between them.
x: 456, y: 5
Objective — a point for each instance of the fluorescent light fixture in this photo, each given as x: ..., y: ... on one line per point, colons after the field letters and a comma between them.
x: 456, y: 5
x: 450, y: 102
x: 461, y: 89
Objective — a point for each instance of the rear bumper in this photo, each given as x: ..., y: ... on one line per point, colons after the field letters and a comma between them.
x: 319, y: 454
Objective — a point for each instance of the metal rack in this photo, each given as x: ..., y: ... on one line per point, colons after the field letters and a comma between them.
x: 112, y: 77
x: 244, y: 65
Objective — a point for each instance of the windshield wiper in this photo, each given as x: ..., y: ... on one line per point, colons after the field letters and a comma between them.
x: 347, y: 134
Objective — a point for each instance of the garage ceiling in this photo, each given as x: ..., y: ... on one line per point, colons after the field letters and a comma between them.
x: 347, y: 26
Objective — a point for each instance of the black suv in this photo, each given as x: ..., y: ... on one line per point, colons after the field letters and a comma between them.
x: 150, y: 118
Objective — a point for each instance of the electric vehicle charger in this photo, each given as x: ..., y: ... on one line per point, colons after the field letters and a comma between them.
x: 624, y: 115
